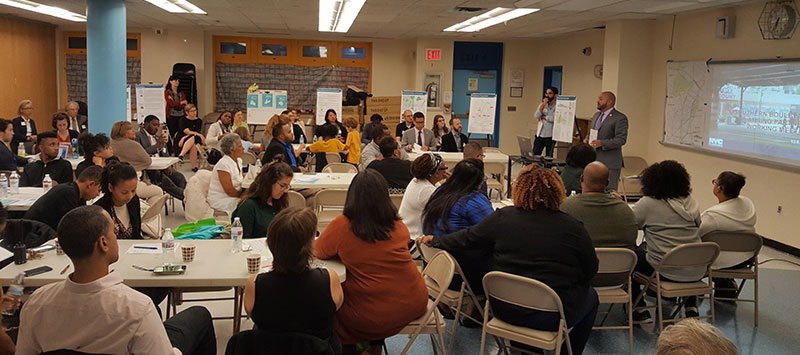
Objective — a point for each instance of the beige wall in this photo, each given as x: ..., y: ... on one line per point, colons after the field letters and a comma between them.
x: 160, y: 52
x: 695, y: 40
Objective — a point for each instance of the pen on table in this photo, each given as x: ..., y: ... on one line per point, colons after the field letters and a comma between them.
x: 141, y: 247
x: 64, y: 270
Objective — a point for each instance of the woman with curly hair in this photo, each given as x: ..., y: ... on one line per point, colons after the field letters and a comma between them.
x: 669, y: 217
x: 535, y: 239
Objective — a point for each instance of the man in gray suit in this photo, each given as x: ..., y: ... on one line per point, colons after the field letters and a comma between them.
x: 169, y: 179
x: 78, y: 123
x: 419, y: 135
x: 612, y: 133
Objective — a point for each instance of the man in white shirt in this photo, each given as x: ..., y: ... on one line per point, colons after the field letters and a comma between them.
x: 418, y: 135
x: 92, y: 311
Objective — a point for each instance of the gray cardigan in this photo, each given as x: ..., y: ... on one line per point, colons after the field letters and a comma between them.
x: 667, y: 224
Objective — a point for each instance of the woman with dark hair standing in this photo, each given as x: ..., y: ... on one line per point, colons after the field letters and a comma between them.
x: 578, y: 157
x: 265, y: 197
x: 96, y: 151
x: 384, y: 291
x: 331, y: 120
x: 428, y: 169
x: 176, y: 101
x: 294, y: 296
x: 118, y: 184
x: 535, y: 239
x: 669, y: 217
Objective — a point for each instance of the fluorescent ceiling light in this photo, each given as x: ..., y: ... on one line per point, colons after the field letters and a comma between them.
x: 178, y: 6
x: 338, y: 15
x: 45, y: 9
x: 491, y: 18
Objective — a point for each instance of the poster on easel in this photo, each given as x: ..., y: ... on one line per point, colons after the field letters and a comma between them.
x: 128, y: 99
x: 328, y: 99
x: 564, y: 122
x: 416, y: 101
x: 482, y: 109
x: 150, y: 101
x: 263, y: 104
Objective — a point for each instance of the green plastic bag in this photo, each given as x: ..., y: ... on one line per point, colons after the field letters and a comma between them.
x: 191, y: 227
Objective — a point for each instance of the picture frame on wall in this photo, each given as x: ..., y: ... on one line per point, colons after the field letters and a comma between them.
x: 516, y: 92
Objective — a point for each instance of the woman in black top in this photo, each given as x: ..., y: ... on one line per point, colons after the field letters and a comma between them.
x: 96, y: 151
x: 118, y: 183
x: 330, y: 120
x: 190, y: 135
x: 536, y: 240
x: 294, y: 297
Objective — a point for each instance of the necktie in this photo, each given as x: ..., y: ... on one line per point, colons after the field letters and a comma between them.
x: 419, y: 137
x: 600, y: 120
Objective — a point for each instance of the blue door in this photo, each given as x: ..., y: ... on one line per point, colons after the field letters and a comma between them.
x: 481, y: 62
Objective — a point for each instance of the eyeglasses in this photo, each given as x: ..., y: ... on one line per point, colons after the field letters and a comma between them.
x: 441, y: 168
x: 284, y: 187
x: 714, y: 182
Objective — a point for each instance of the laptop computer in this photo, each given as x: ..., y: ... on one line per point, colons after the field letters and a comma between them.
x: 525, y: 147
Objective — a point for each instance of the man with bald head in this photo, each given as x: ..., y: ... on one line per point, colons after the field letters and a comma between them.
x: 406, y: 123
x: 611, y: 128
x: 609, y: 221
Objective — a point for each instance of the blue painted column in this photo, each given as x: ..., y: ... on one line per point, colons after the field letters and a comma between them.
x: 106, y: 63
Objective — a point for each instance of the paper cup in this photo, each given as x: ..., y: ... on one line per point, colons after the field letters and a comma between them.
x: 253, y: 263
x: 59, y: 251
x: 188, y: 251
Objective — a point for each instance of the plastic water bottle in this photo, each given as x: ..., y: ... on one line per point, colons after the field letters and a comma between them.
x: 47, y: 183
x: 13, y: 183
x: 168, y: 243
x: 14, y: 294
x: 302, y: 139
x: 3, y: 185
x: 74, y: 148
x: 236, y: 234
x: 21, y: 150
x: 573, y: 193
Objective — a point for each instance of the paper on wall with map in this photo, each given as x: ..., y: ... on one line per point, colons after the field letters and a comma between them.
x: 416, y: 101
x: 687, y: 106
x: 564, y: 122
x: 482, y: 108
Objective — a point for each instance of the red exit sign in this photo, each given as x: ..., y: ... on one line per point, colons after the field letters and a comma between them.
x: 433, y: 54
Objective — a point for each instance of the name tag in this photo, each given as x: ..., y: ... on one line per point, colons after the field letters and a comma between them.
x: 23, y: 123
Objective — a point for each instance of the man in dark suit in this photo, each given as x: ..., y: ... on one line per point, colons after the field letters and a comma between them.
x: 281, y: 146
x: 455, y: 140
x: 612, y: 133
x: 77, y: 122
x: 154, y: 144
x: 24, y: 127
x: 9, y: 160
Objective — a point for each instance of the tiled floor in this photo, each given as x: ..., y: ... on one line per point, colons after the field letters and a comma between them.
x: 779, y: 316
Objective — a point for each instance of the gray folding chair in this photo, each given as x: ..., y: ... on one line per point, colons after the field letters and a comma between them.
x: 296, y: 199
x: 340, y: 168
x: 438, y: 275
x: 616, y: 263
x: 690, y: 255
x: 527, y: 293
x: 736, y: 246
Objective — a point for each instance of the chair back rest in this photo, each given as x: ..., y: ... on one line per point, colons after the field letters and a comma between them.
x: 333, y: 157
x: 496, y: 170
x: 330, y: 198
x: 427, y: 252
x: 248, y: 158
x: 155, y: 208
x: 735, y: 247
x: 633, y: 165
x: 615, y: 260
x: 397, y: 200
x: 339, y: 168
x: 690, y: 255
x: 439, y: 273
x: 492, y: 149
x: 522, y: 292
x: 262, y: 342
x: 295, y: 199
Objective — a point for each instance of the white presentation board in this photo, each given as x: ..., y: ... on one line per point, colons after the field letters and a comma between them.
x: 416, y: 101
x: 263, y: 104
x: 128, y: 111
x: 481, y: 113
x: 564, y: 122
x: 328, y: 99
x: 150, y: 101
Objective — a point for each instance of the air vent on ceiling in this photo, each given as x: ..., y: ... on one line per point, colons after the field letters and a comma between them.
x: 469, y: 9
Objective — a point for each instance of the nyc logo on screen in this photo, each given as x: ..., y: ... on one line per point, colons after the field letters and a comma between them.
x: 715, y: 142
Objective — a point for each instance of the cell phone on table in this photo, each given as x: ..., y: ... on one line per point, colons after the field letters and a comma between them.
x: 37, y: 271
x: 169, y: 269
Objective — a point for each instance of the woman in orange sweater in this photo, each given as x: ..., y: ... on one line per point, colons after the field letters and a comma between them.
x: 384, y: 291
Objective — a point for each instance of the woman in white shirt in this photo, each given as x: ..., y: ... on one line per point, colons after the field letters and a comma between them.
x: 219, y: 129
x: 427, y: 170
x: 226, y: 179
